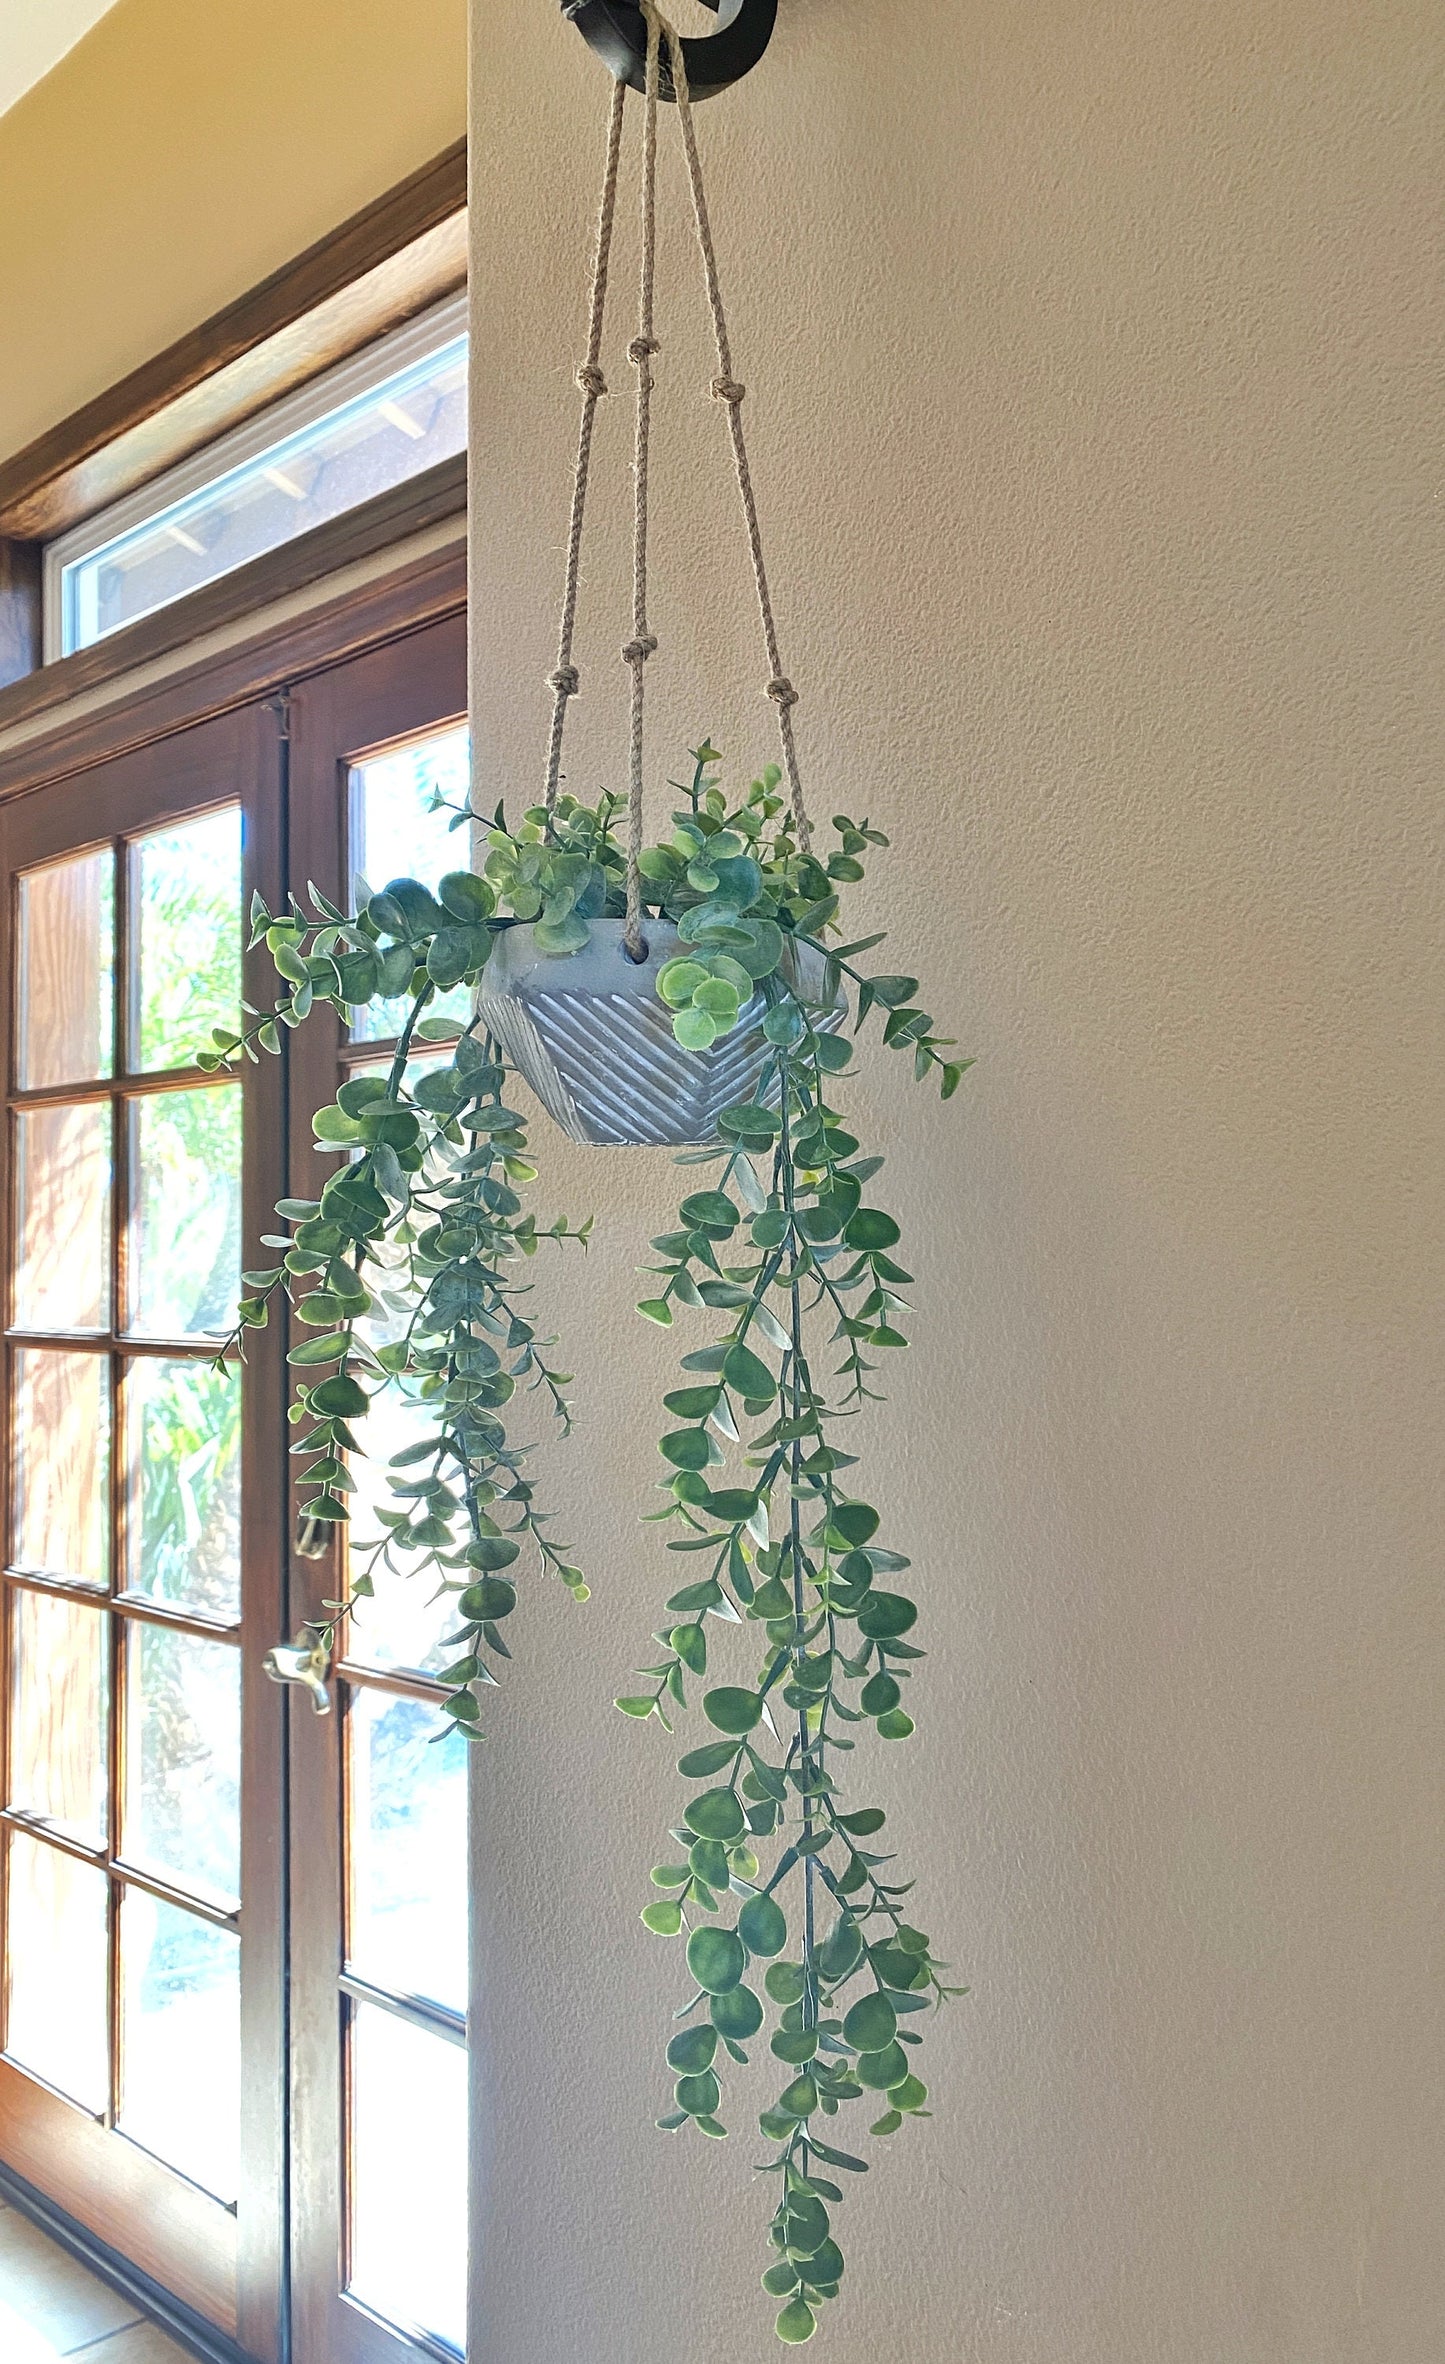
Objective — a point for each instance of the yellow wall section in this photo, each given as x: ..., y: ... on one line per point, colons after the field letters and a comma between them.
x: 181, y: 152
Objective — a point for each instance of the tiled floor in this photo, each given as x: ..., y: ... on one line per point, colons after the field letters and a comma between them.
x: 52, y: 2307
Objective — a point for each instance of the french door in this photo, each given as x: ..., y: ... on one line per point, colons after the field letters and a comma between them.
x: 233, y: 1928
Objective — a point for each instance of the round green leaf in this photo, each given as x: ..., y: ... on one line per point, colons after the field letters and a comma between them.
x: 732, y: 1710
x: 694, y: 1029
x: 664, y: 1918
x: 856, y: 1522
x: 716, y: 1959
x: 717, y: 1814
x: 691, y: 2052
x: 785, y: 1982
x: 489, y: 1600
x: 896, y: 1725
x: 751, y: 1376
x: 871, y: 2024
x: 341, y: 1398
x: 796, y: 2323
x: 763, y: 1926
x: 825, y: 2266
x: 700, y: 1762
x: 885, y: 1615
x: 877, y: 1697
x: 800, y: 2098
x: 881, y: 2071
x: 807, y: 2224
x: 678, y: 980
x: 871, y: 1228
x: 698, y: 2095
x: 738, y: 2014
x: 709, y: 1210
x: 686, y: 1448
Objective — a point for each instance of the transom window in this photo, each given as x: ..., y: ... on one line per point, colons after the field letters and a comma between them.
x: 372, y: 422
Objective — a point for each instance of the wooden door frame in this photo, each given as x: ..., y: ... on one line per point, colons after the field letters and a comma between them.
x: 351, y: 710
x: 122, y: 2195
x: 271, y: 662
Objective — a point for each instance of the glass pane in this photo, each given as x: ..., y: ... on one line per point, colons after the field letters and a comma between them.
x: 183, y: 1425
x: 408, y: 1849
x: 183, y: 1759
x: 60, y: 1692
x: 65, y: 971
x: 188, y: 901
x: 56, y: 1951
x: 395, y: 834
x: 181, y: 2017
x: 406, y: 1622
x: 62, y: 1464
x: 408, y: 421
x: 409, y: 2174
x: 185, y: 1240
x: 62, y: 1224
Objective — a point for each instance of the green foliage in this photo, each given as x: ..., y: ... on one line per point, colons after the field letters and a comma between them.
x: 404, y: 1276
x: 808, y: 1296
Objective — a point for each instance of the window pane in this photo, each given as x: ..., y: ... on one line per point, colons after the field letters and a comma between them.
x: 62, y: 1225
x: 404, y: 423
x: 62, y: 1464
x: 57, y: 1958
x: 406, y: 1622
x: 60, y: 1692
x: 183, y: 1759
x: 181, y: 2015
x: 185, y: 1241
x: 395, y: 834
x: 65, y: 973
x: 409, y: 2174
x: 408, y: 1841
x: 188, y: 901
x: 183, y: 1426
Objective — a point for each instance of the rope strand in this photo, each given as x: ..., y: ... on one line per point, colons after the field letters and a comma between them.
x: 563, y: 681
x: 640, y: 647
x: 727, y: 390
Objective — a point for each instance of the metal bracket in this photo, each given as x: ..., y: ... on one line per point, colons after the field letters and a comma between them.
x: 306, y: 1661
x: 617, y: 30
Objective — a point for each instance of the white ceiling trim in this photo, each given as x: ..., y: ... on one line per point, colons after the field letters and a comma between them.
x: 35, y: 35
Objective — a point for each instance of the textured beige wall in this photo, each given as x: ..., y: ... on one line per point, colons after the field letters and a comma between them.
x: 1095, y: 363
x: 185, y: 149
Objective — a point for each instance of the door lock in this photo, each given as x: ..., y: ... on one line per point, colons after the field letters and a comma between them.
x: 306, y: 1661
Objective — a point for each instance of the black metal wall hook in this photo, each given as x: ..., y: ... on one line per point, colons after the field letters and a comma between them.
x: 617, y: 30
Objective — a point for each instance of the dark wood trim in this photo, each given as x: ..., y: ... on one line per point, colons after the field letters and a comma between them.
x: 20, y: 609
x: 387, y: 263
x: 430, y: 499
x: 410, y: 597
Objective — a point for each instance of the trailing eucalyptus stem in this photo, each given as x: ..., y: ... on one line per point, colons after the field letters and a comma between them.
x: 406, y: 1270
x: 785, y: 1248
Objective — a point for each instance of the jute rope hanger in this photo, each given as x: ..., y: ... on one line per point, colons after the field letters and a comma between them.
x: 563, y: 680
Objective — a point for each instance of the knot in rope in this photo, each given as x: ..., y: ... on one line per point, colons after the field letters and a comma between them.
x: 638, y: 651
x: 782, y: 692
x: 591, y: 379
x: 728, y: 390
x: 640, y: 348
x: 565, y: 681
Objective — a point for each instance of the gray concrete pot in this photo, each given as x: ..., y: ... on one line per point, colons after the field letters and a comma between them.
x: 590, y: 1035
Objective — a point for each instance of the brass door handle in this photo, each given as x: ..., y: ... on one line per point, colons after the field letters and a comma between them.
x: 306, y: 1661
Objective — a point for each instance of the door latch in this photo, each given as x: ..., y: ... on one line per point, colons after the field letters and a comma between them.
x: 306, y: 1661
